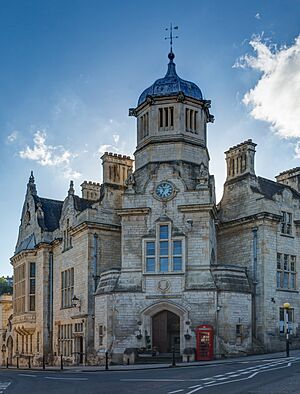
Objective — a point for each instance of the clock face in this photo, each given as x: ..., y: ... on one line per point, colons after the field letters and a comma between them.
x: 164, y: 190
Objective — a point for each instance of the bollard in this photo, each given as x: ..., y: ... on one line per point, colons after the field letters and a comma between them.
x: 106, y: 360
x: 17, y: 361
x: 29, y: 365
x: 61, y: 362
x: 173, y: 357
x: 44, y: 362
x: 7, y: 362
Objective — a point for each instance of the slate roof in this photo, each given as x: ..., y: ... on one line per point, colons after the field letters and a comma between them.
x: 171, y: 85
x: 81, y: 203
x: 268, y: 188
x: 52, y: 212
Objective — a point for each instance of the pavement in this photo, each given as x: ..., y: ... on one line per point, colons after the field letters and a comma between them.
x: 99, y: 368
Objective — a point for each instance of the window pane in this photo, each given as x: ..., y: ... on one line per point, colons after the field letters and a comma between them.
x: 32, y: 270
x: 286, y: 262
x: 293, y: 263
x: 164, y: 264
x: 293, y: 282
x: 164, y: 248
x: 278, y: 279
x: 32, y: 286
x: 279, y: 261
x: 164, y: 232
x: 150, y: 264
x: 286, y: 280
x: 177, y: 248
x: 177, y: 263
x: 150, y: 248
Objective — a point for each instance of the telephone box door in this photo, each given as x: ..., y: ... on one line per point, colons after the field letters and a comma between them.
x: 205, y: 342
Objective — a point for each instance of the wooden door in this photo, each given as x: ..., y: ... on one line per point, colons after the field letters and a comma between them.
x: 166, y: 331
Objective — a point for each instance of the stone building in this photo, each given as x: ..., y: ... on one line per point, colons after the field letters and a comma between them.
x: 6, y: 341
x: 137, y: 263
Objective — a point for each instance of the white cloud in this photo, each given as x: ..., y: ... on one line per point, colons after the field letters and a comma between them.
x: 257, y: 15
x: 12, y: 137
x: 107, y: 148
x: 48, y: 155
x: 275, y: 98
x: 116, y: 138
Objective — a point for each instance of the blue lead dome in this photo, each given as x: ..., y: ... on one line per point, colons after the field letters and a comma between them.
x: 171, y: 85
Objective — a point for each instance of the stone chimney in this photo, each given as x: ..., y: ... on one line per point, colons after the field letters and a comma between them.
x: 90, y: 190
x: 290, y: 178
x: 116, y: 168
x: 240, y: 160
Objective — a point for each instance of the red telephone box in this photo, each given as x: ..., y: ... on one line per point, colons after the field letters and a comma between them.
x: 205, y: 342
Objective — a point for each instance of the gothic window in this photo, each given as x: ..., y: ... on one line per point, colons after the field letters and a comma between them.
x: 144, y: 125
x: 286, y: 223
x: 286, y: 271
x: 286, y: 318
x: 19, y: 288
x: 67, y: 288
x: 191, y: 120
x: 32, y: 286
x: 67, y: 236
x: 165, y: 253
x: 101, y: 335
x: 166, y: 118
x: 65, y: 340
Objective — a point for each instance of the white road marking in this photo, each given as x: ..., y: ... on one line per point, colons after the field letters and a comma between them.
x: 153, y: 380
x: 192, y: 387
x: 53, y: 378
x: 3, y: 386
x: 176, y: 391
x: 27, y: 375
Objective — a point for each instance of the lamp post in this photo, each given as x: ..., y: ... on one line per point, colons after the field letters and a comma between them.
x: 286, y: 307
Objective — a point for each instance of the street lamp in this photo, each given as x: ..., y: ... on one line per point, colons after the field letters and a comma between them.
x: 286, y: 307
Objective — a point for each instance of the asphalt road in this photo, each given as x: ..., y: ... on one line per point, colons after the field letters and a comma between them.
x: 272, y: 376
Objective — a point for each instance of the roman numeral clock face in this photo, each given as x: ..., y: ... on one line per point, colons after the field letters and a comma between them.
x: 164, y: 190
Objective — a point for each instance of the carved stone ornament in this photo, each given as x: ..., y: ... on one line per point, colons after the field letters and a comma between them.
x: 202, y: 179
x: 180, y: 97
x: 130, y: 182
x: 163, y: 285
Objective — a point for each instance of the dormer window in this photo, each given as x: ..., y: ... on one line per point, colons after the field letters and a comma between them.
x: 166, y: 118
x: 191, y: 120
x: 286, y: 223
x: 67, y: 236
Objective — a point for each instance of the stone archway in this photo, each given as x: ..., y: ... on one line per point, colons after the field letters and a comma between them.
x: 9, y: 350
x: 165, y: 319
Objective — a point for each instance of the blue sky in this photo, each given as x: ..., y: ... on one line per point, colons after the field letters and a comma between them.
x: 70, y: 70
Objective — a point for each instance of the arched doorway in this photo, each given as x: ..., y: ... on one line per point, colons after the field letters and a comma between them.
x: 166, y: 331
x: 10, y: 350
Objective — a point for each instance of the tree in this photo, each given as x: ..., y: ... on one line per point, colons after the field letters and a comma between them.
x: 5, y: 288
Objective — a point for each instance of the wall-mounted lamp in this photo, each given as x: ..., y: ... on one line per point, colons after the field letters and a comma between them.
x: 273, y: 300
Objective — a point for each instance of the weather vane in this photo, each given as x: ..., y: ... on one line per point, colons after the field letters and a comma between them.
x: 171, y: 37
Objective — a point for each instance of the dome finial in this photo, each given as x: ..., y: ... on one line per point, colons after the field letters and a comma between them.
x: 171, y: 37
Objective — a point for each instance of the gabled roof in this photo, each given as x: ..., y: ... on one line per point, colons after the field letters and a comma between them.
x: 269, y: 188
x: 52, y: 212
x: 81, y: 204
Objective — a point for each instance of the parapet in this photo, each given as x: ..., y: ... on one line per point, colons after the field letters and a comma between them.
x: 90, y: 190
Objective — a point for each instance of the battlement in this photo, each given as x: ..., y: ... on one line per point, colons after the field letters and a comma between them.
x: 90, y: 190
x: 116, y: 168
x: 240, y: 159
x: 290, y: 178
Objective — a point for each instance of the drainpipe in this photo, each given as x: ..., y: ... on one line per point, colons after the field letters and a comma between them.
x: 254, y: 276
x: 94, y: 261
x: 50, y: 300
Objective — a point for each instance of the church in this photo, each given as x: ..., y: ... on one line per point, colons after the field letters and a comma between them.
x: 146, y: 260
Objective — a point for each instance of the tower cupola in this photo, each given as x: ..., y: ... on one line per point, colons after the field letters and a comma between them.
x: 171, y: 117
